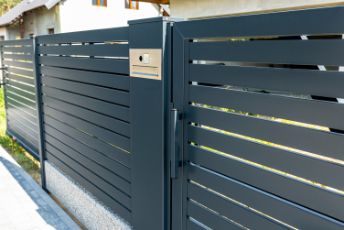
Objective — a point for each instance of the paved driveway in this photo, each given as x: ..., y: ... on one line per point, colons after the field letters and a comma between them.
x: 23, y: 204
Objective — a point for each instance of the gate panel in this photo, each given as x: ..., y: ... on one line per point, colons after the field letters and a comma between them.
x: 20, y: 93
x: 262, y: 134
x: 85, y: 103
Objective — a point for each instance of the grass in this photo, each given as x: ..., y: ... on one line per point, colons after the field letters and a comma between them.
x: 24, y: 159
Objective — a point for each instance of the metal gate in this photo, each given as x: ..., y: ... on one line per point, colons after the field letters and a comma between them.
x: 260, y: 124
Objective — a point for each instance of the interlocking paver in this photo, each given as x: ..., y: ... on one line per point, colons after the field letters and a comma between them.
x: 23, y: 204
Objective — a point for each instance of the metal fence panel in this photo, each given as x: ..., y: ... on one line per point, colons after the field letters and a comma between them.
x: 20, y: 94
x: 86, y: 112
x: 262, y: 134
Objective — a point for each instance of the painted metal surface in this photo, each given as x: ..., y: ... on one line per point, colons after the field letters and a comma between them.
x: 20, y: 93
x: 241, y: 128
x: 86, y: 112
x: 261, y: 145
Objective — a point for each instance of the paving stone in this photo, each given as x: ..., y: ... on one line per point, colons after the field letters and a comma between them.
x: 23, y: 203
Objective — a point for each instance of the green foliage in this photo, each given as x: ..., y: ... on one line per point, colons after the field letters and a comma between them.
x: 6, y: 5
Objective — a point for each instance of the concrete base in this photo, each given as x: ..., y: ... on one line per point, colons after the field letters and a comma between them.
x: 83, y: 205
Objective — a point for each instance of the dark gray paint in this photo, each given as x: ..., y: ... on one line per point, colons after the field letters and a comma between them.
x: 21, y: 109
x: 85, y: 103
x: 148, y: 103
x: 234, y: 168
x: 109, y: 132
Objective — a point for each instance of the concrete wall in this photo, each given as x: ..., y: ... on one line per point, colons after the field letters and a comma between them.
x: 79, y: 15
x: 212, y: 8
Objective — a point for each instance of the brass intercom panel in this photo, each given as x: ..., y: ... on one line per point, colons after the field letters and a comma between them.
x: 145, y: 63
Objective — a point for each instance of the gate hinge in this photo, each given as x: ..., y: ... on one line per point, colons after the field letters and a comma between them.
x: 174, y: 148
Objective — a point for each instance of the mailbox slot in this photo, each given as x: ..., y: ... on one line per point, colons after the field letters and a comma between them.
x: 145, y: 63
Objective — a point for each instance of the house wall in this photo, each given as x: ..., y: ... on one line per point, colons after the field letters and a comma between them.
x: 212, y: 8
x: 3, y: 32
x: 36, y: 22
x: 76, y: 15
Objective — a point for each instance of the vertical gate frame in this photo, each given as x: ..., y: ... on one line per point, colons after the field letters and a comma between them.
x: 38, y: 84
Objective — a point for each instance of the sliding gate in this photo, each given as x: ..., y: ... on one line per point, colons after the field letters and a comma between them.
x: 262, y: 122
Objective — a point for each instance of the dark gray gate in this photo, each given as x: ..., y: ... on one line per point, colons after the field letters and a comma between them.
x: 20, y: 93
x: 262, y: 121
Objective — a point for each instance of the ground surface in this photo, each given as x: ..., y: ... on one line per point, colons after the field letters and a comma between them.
x: 23, y: 204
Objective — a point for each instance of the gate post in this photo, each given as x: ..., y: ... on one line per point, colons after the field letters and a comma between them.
x: 149, y: 77
x: 38, y: 87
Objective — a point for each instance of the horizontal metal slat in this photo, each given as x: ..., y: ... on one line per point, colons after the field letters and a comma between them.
x: 191, y: 225
x: 324, y: 83
x: 24, y: 107
x: 208, y: 218
x: 18, y: 64
x: 22, y: 97
x: 106, y: 122
x: 284, y: 134
x: 18, y: 49
x: 321, y: 200
x: 328, y: 114
x: 90, y: 141
x: 98, y: 181
x: 19, y: 132
x: 276, y: 24
x: 27, y: 119
x: 119, y: 66
x: 298, y: 52
x: 94, y: 155
x: 302, y: 166
x: 29, y: 88
x: 20, y: 79
x: 103, y: 197
x: 23, y: 100
x: 102, y: 93
x: 28, y: 73
x: 26, y: 127
x: 116, y: 111
x: 101, y: 133
x: 109, y: 50
x: 28, y: 113
x: 17, y: 42
x: 27, y: 146
x: 298, y: 216
x: 101, y: 79
x: 229, y: 209
x: 11, y: 89
x: 28, y: 131
x: 22, y: 57
x: 120, y: 188
x: 102, y: 35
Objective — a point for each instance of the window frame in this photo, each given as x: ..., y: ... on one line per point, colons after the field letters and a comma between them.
x: 101, y: 3
x: 129, y: 4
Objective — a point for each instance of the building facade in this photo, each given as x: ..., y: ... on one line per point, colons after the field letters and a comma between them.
x: 216, y: 8
x: 47, y: 17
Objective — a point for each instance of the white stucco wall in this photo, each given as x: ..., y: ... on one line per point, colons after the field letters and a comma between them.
x: 76, y: 15
x: 212, y: 8
x: 3, y: 32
